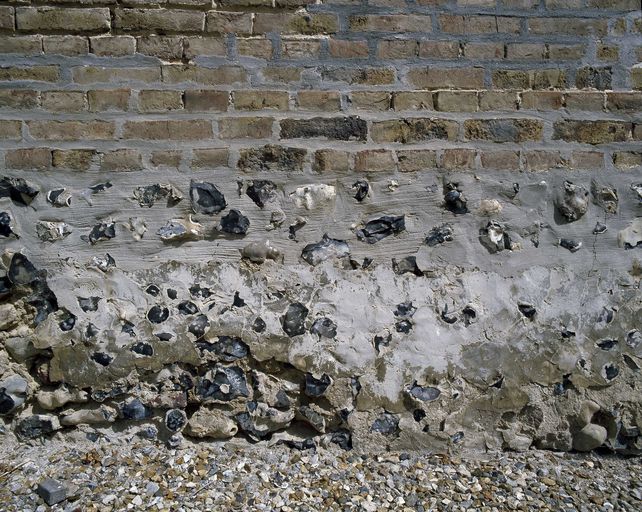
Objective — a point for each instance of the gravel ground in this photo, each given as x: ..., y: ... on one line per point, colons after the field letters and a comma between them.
x: 134, y: 474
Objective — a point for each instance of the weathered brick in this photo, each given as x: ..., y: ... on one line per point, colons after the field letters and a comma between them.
x: 615, y: 5
x: 112, y: 46
x: 607, y: 52
x: 592, y: 132
x: 439, y: 49
x: 7, y: 18
x: 23, y: 45
x: 538, y: 160
x: 587, y: 160
x: 531, y: 79
x: 18, y: 98
x: 33, y: 158
x: 627, y: 159
x: 71, y: 130
x: 501, y: 160
x: 458, y: 159
x: 106, y: 100
x: 63, y: 101
x: 624, y: 101
x: 325, y: 101
x: 65, y: 45
x: 159, y: 101
x: 206, y: 100
x: 192, y: 129
x: 525, y: 51
x: 195, y: 46
x: 164, y: 20
x: 636, y: 77
x: 458, y: 24
x: 637, y: 131
x: 456, y: 101
x: 594, y: 78
x: 541, y: 100
x: 121, y: 160
x: 94, y: 74
x: 245, y: 127
x: 169, y: 158
x: 498, y: 100
x: 163, y: 47
x: 330, y: 160
x: 412, y: 100
x: 414, y: 130
x: 371, y: 100
x: 484, y: 50
x: 588, y: 101
x: 300, y: 48
x: 397, y: 49
x: 295, y: 23
x: 456, y: 78
x: 285, y: 74
x: 210, y: 76
x: 570, y: 26
x: 210, y: 157
x: 390, y: 23
x: 74, y: 159
x: 70, y: 20
x: 374, y: 160
x: 417, y: 160
x: 221, y: 22
x: 259, y: 100
x: 566, y: 51
x: 336, y: 128
x: 504, y: 130
x: 347, y: 49
x: 271, y: 157
x: 258, y: 47
x: 35, y: 73
x: 361, y: 76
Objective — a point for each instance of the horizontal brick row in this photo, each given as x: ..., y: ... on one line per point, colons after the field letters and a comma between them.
x: 408, y: 130
x: 89, y: 19
x: 320, y: 161
x: 212, y: 100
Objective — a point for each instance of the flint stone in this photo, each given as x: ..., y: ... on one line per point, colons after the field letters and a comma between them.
x: 52, y: 491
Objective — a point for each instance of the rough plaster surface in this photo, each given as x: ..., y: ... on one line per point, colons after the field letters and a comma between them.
x: 462, y: 304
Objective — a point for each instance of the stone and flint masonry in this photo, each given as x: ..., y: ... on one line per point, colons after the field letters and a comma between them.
x: 380, y: 224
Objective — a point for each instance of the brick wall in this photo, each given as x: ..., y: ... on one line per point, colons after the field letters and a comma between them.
x: 391, y: 105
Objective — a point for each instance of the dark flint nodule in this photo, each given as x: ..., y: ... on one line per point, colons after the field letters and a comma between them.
x: 418, y: 414
x: 527, y: 310
x: 446, y: 317
x: 128, y: 328
x: 293, y: 322
x: 405, y: 310
x: 361, y: 189
x: 199, y: 292
x: 6, y: 402
x: 425, y: 394
x: 439, y: 235
x: 228, y: 383
x: 34, y: 426
x: 21, y: 271
x: 316, y: 387
x: 454, y: 199
x: 143, y: 349
x: 88, y: 303
x: 68, y: 322
x: 261, y: 192
x: 386, y: 423
x: 187, y: 307
x: 91, y: 331
x: 235, y: 223
x: 136, y: 410
x: 172, y: 294
x: 569, y: 244
x: 306, y: 444
x: 572, y: 201
x: 407, y: 265
x: 403, y: 326
x: 633, y: 338
x: 5, y: 286
x: 494, y: 237
x: 610, y: 371
x: 607, y: 344
x: 5, y: 225
x: 164, y: 336
x: 342, y: 438
x: 381, y: 341
x: 158, y: 314
x: 206, y: 198
x: 175, y: 420
x: 295, y: 226
x: 230, y: 349
x: 18, y: 190
x: 238, y: 302
x: 324, y: 327
x: 102, y: 231
x: 282, y: 400
x: 54, y: 197
x: 101, y: 358
x: 100, y: 187
x: 148, y: 195
x: 153, y: 290
x: 259, y: 325
x: 325, y: 249
x: 457, y: 436
x: 198, y: 325
x: 380, y: 228
x: 104, y: 263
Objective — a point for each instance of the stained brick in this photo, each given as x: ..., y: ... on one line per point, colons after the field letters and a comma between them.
x: 414, y: 130
x: 272, y: 157
x: 504, y: 130
x: 164, y: 20
x: 375, y: 160
x: 337, y: 128
x: 69, y: 19
x: 259, y: 100
x: 330, y: 160
x: 417, y: 160
x: 206, y: 100
x: 592, y: 132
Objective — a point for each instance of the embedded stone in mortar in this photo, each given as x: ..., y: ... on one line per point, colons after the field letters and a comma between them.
x: 50, y: 231
x: 324, y: 250
x: 234, y: 223
x: 178, y: 229
x: 59, y: 197
x: 206, y: 198
x: 148, y: 195
x: 6, y: 228
x: 311, y: 196
x: 378, y: 229
x: 258, y: 252
x: 19, y: 190
x: 572, y: 201
x: 631, y: 236
x: 261, y: 191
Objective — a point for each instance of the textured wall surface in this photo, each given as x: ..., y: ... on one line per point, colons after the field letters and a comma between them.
x: 401, y: 224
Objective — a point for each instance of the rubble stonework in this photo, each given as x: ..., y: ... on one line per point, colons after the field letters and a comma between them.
x: 381, y: 225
